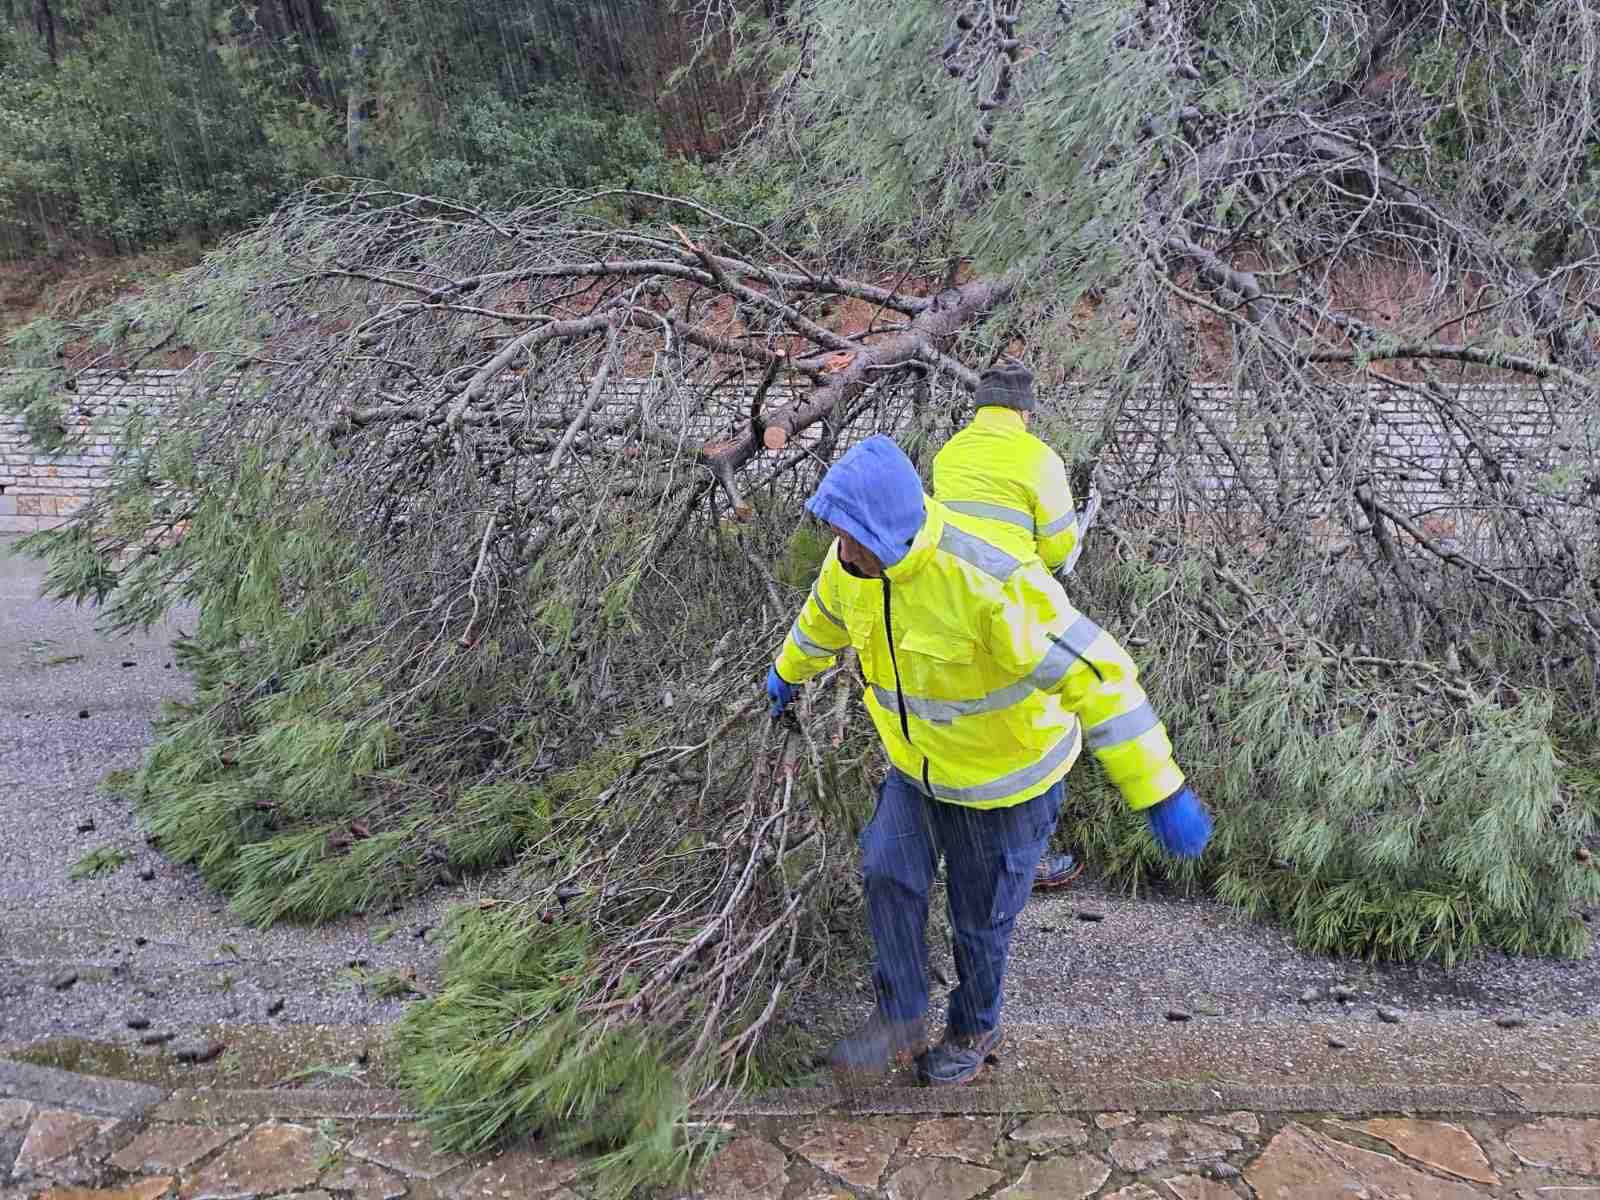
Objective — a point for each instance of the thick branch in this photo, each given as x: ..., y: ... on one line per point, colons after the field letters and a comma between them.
x: 951, y: 311
x: 491, y: 370
x: 1456, y: 353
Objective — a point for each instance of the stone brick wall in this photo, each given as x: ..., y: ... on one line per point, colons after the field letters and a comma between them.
x: 37, y: 490
x: 1398, y: 437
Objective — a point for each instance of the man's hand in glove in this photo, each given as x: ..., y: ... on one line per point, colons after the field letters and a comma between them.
x: 779, y: 690
x: 1181, y: 825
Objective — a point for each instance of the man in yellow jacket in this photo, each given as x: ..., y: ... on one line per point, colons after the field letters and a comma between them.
x: 997, y: 473
x: 983, y: 684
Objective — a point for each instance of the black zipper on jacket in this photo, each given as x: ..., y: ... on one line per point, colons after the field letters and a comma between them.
x: 899, y: 693
x: 888, y: 633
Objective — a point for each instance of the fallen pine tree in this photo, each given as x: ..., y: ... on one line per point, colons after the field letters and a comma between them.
x: 454, y: 612
x: 456, y: 609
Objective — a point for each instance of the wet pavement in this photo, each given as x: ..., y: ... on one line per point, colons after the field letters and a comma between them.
x: 148, y: 939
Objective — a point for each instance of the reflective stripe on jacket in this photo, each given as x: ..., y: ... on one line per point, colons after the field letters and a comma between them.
x: 992, y: 682
x: 995, y: 471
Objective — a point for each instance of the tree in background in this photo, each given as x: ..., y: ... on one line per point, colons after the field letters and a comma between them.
x: 141, y: 122
x: 128, y: 133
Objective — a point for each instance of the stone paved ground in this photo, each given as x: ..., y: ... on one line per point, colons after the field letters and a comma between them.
x: 1154, y: 1156
x: 212, y: 1145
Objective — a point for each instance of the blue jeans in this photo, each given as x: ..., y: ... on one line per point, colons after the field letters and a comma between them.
x: 990, y: 855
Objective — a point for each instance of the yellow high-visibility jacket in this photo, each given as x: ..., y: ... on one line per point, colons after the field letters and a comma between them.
x: 982, y: 680
x: 996, y: 471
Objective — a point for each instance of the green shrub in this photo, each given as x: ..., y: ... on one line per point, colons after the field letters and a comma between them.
x: 127, y: 140
x: 167, y: 120
x: 497, y: 150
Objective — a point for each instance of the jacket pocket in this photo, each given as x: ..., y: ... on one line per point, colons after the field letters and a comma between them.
x: 932, y: 661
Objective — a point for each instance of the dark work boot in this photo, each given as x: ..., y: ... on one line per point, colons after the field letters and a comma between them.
x: 958, y: 1058
x: 1055, y: 871
x: 868, y: 1052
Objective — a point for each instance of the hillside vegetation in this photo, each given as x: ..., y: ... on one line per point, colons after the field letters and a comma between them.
x: 126, y: 125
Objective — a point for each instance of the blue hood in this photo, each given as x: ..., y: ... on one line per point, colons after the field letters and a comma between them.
x: 874, y: 495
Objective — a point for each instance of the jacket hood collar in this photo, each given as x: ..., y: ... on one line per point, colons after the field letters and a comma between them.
x: 873, y: 494
x: 993, y: 416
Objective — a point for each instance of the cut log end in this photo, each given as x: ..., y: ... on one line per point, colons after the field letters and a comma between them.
x: 774, y: 438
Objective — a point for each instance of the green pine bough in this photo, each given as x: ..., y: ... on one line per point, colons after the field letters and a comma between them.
x: 503, y: 1049
x: 1377, y: 807
x: 99, y: 862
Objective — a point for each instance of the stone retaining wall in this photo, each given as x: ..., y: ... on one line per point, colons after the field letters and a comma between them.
x: 37, y: 490
x: 1399, y: 437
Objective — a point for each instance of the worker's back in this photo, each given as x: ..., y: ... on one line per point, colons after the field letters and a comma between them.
x: 995, y: 471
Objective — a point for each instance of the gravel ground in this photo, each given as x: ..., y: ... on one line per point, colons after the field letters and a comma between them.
x: 1161, y: 961
x: 1088, y: 956
x: 1146, y: 958
x: 149, y: 941
x: 165, y: 948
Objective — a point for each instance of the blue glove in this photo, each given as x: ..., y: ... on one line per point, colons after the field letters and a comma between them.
x: 779, y: 690
x: 1181, y: 825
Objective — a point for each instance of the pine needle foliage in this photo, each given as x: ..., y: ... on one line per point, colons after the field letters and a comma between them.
x: 503, y: 1049
x: 883, y: 105
x: 1376, y: 805
x: 99, y: 862
x: 647, y: 954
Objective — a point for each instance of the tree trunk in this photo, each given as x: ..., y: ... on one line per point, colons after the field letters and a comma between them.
x: 44, y: 22
x: 357, y: 107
